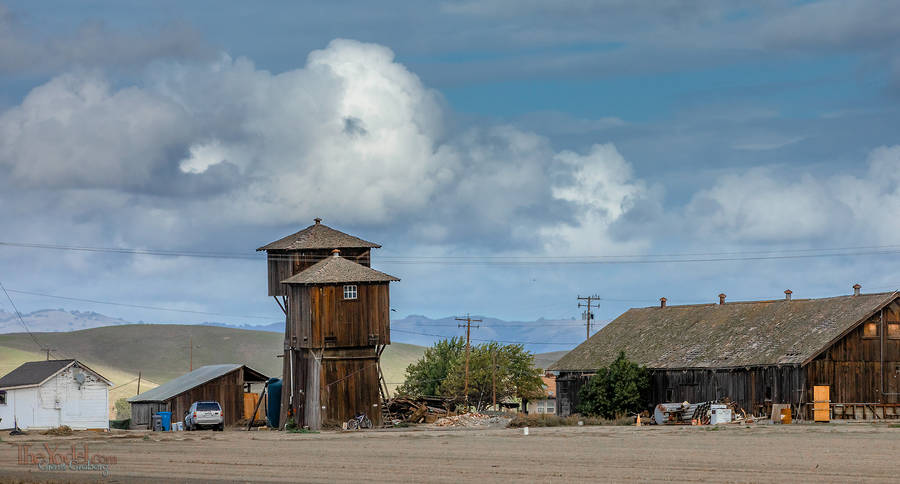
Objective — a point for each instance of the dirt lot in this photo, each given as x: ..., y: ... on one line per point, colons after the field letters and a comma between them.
x: 760, y: 453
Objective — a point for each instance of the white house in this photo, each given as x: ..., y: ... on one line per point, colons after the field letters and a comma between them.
x: 46, y: 394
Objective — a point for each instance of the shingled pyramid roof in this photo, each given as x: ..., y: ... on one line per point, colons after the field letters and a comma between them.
x: 318, y: 236
x: 737, y: 334
x: 338, y: 270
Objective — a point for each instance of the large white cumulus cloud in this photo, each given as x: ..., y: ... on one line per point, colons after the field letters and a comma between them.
x: 353, y: 136
x: 765, y: 205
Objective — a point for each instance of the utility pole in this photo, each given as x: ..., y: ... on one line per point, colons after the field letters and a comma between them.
x: 468, y: 327
x: 191, y: 352
x: 494, y: 379
x: 590, y: 303
x: 48, y: 350
x: 139, y: 384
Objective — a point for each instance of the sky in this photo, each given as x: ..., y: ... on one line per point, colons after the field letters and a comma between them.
x: 509, y: 156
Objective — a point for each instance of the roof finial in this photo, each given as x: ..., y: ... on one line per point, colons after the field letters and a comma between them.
x: 336, y: 253
x: 787, y: 294
x: 318, y: 220
x: 856, y: 288
x: 722, y: 298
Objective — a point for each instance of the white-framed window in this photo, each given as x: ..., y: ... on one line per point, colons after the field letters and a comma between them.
x: 350, y: 291
x: 550, y: 408
x: 2, y: 397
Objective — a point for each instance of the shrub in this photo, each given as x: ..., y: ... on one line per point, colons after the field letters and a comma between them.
x: 549, y: 420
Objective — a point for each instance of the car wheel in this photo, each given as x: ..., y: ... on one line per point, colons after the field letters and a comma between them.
x: 221, y: 427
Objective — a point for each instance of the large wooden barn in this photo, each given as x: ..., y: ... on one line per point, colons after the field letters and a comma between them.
x: 227, y: 384
x: 842, y: 351
x: 338, y: 323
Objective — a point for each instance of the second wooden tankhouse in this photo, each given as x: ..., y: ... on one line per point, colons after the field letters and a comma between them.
x: 338, y: 324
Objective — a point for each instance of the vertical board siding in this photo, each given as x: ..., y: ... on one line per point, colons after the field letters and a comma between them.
x: 321, y: 312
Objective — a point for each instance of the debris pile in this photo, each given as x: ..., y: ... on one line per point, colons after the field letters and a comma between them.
x: 469, y: 420
x: 417, y: 410
x: 687, y: 413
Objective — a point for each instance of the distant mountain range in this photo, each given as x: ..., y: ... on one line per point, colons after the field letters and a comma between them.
x: 55, y: 320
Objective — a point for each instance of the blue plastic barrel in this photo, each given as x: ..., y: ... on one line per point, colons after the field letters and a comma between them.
x: 166, y: 421
x: 273, y: 408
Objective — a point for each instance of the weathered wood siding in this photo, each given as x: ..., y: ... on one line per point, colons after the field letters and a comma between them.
x: 320, y: 317
x: 141, y: 412
x: 568, y: 384
x: 349, y: 385
x: 852, y: 366
x: 754, y: 389
x: 284, y: 264
x: 228, y: 390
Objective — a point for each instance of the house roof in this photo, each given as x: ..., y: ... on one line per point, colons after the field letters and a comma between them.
x: 35, y: 373
x: 735, y: 334
x: 318, y: 236
x: 338, y: 270
x: 549, y: 385
x: 193, y: 379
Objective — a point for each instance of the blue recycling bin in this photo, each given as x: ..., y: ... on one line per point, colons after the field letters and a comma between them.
x: 166, y: 421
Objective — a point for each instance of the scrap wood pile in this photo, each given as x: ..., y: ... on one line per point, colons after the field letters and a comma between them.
x: 417, y: 410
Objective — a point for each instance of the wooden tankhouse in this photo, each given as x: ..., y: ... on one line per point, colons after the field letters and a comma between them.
x: 337, y: 325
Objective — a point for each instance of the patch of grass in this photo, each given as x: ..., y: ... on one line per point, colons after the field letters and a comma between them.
x: 545, y: 420
x: 302, y: 431
x: 894, y: 426
x: 62, y: 430
x: 712, y: 428
x: 146, y: 437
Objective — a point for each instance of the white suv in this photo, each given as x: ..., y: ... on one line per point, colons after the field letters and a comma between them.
x: 205, y: 414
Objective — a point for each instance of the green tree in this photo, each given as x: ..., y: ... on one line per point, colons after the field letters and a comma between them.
x: 619, y: 389
x: 123, y: 409
x: 507, y: 369
x: 424, y: 377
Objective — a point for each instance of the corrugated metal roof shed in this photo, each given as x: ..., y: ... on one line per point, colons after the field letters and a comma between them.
x: 736, y: 334
x: 187, y: 381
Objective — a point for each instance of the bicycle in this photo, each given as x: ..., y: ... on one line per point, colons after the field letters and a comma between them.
x: 360, y: 421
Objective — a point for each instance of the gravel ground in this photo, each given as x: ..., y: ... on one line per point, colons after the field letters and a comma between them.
x: 760, y: 453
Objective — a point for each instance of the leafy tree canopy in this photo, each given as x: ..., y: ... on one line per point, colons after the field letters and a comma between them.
x: 506, y: 369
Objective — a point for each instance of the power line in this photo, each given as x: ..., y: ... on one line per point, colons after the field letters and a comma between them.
x: 22, y: 321
x: 688, y: 257
x: 156, y: 308
x: 487, y: 340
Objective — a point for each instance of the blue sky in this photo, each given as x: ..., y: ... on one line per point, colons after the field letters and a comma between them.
x: 479, y: 130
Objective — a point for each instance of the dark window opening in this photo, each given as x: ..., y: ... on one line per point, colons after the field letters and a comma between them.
x: 2, y: 397
x: 670, y: 394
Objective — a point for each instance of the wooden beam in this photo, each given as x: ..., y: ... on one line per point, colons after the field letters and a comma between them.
x: 280, y: 305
